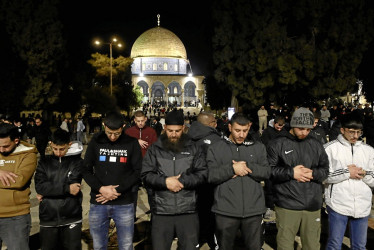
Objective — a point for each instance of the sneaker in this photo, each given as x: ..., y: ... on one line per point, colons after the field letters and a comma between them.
x: 269, y: 215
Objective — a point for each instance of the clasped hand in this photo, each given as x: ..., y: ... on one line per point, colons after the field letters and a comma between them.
x: 173, y: 183
x: 302, y: 174
x: 356, y: 172
x: 240, y: 168
x: 107, y: 193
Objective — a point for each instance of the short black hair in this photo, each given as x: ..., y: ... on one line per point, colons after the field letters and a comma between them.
x: 114, y: 120
x: 240, y: 119
x: 279, y: 119
x: 9, y: 130
x: 60, y: 137
x: 352, y: 121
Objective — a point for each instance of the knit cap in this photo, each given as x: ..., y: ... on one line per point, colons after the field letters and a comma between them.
x: 174, y: 117
x: 302, y: 118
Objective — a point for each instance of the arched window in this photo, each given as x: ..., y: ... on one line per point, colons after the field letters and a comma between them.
x: 155, y: 66
x: 165, y: 66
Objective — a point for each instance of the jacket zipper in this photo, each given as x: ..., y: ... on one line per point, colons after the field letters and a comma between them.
x: 175, y: 194
x: 241, y: 180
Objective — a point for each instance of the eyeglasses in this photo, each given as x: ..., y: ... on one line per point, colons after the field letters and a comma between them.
x: 115, y: 134
x: 354, y: 132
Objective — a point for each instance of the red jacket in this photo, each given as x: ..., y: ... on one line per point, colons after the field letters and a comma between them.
x: 147, y: 134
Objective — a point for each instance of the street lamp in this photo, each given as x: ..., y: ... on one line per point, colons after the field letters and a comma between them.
x: 115, y: 42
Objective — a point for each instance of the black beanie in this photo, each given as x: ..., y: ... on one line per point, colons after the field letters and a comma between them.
x: 174, y: 117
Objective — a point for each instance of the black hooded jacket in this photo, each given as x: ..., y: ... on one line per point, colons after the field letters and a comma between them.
x: 53, y: 177
x: 241, y: 196
x: 284, y: 153
x: 203, y: 135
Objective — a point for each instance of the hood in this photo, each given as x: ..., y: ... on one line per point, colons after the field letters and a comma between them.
x: 76, y: 148
x: 199, y: 131
x: 25, y: 147
x: 247, y: 142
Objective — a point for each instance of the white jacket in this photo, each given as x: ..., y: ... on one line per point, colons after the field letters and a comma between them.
x: 349, y: 197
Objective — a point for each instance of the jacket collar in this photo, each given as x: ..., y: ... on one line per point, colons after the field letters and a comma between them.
x: 344, y: 141
x: 245, y: 143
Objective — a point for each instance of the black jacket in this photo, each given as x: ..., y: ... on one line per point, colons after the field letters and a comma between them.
x: 53, y: 177
x: 158, y: 164
x: 203, y: 135
x: 239, y: 196
x: 112, y: 163
x: 284, y: 153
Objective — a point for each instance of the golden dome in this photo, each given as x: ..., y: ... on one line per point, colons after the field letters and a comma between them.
x: 158, y: 42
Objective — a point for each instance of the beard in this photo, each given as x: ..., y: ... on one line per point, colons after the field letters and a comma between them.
x: 9, y: 152
x: 174, y: 146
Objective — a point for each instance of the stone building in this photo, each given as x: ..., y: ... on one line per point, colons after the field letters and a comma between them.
x: 162, y: 70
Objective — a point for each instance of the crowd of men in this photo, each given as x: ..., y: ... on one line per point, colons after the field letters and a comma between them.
x: 206, y: 178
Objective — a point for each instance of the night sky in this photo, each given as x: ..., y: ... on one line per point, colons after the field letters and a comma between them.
x: 84, y: 21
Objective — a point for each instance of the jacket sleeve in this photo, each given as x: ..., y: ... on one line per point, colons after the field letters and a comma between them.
x: 260, y: 169
x: 88, y: 167
x: 280, y: 172
x: 136, y: 164
x: 218, y: 171
x: 24, y: 172
x: 337, y: 172
x: 75, y: 175
x: 196, y: 174
x: 321, y: 171
x: 47, y: 187
x: 150, y: 175
x: 369, y: 168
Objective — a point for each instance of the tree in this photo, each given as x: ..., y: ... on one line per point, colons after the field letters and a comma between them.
x: 123, y: 92
x: 36, y: 34
x: 218, y: 94
x: 289, y: 51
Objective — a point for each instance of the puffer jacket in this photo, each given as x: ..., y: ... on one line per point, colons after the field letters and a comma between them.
x: 241, y: 196
x: 349, y: 197
x: 284, y: 153
x: 158, y: 164
x: 52, y: 180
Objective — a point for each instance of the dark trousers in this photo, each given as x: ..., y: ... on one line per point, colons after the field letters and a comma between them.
x: 269, y: 197
x: 227, y: 228
x: 66, y: 237
x: 41, y: 146
x: 185, y: 227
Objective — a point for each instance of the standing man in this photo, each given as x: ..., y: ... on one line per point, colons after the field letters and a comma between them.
x: 112, y: 167
x: 145, y: 134
x: 80, y: 129
x: 17, y: 166
x: 173, y: 168
x: 348, y: 195
x: 262, y: 114
x: 58, y: 184
x: 42, y: 136
x: 237, y: 166
x: 203, y: 132
x: 299, y: 166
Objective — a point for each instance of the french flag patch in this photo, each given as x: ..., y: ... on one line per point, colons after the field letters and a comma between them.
x: 102, y: 158
x: 112, y: 159
x: 123, y: 159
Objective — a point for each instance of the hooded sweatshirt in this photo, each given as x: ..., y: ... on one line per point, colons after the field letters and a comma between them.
x: 14, y: 199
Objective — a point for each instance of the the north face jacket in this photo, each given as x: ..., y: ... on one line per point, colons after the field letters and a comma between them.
x: 158, y: 164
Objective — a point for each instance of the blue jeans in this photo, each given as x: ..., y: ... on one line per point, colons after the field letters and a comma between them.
x: 15, y: 231
x: 358, y: 228
x: 123, y: 217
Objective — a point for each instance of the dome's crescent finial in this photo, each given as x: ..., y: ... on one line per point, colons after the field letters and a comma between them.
x: 158, y: 20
